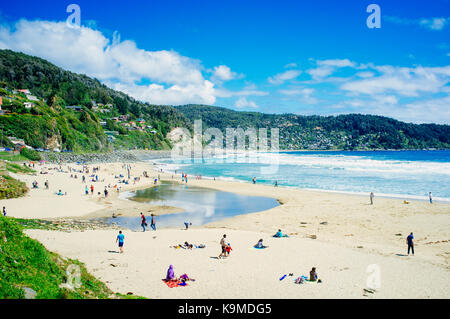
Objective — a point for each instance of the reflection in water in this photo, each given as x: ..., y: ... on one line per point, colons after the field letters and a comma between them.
x: 200, y: 205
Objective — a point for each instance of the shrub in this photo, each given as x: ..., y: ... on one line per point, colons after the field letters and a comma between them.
x: 30, y: 154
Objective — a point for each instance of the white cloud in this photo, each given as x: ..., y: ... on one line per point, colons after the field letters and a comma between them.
x: 327, y: 67
x: 434, y: 24
x: 403, y: 81
x: 304, y: 93
x: 365, y: 74
x: 280, y: 78
x: 340, y: 63
x: 224, y: 73
x: 175, y: 78
x: 290, y: 65
x: 243, y: 103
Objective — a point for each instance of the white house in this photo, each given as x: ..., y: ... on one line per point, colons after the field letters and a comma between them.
x: 28, y: 105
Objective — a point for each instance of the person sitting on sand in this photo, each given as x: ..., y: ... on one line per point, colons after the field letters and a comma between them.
x: 259, y: 244
x: 279, y: 234
x: 187, y: 245
x: 313, y: 274
x: 171, y: 274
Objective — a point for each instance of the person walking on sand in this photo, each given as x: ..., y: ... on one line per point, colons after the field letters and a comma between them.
x: 4, y: 211
x: 371, y: 198
x: 143, y: 222
x: 153, y: 225
x: 92, y: 189
x: 430, y: 197
x: 254, y: 180
x: 409, y: 241
x: 224, y: 245
x: 120, y: 238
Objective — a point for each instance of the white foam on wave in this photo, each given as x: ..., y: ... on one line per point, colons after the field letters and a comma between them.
x: 336, y: 162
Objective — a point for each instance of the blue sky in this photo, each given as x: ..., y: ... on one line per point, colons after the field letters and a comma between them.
x: 304, y: 57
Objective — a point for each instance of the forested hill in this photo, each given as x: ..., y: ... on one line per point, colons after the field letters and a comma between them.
x: 55, y: 89
x: 348, y: 132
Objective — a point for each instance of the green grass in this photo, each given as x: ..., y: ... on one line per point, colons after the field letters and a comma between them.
x: 11, y: 188
x: 9, y: 156
x: 18, y: 169
x: 25, y: 262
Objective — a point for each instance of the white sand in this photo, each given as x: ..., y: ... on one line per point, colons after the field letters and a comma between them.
x: 355, y: 236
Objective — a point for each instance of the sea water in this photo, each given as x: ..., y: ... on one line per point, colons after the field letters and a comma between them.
x: 402, y: 174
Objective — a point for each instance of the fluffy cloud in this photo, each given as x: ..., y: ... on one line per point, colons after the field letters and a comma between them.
x: 224, y: 73
x: 280, y: 78
x: 243, y: 103
x: 121, y: 64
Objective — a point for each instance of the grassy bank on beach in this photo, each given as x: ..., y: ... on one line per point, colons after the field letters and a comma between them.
x: 26, y: 266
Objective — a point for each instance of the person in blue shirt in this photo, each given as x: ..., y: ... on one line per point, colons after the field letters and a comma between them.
x: 120, y: 239
x: 409, y: 241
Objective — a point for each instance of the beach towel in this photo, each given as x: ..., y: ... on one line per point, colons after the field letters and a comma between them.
x: 283, y: 277
x: 260, y: 247
x: 173, y: 284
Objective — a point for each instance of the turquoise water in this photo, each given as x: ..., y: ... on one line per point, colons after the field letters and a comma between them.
x: 404, y: 174
x: 200, y: 205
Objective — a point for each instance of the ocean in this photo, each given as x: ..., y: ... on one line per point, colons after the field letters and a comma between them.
x: 401, y: 174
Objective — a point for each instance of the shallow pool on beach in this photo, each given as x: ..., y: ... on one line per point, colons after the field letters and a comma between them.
x: 200, y: 205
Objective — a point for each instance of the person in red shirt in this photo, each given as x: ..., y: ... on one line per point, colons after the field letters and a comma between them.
x: 92, y: 189
x: 143, y: 222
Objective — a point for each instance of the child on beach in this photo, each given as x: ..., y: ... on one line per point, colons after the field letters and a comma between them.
x: 259, y: 244
x: 224, y: 245
x: 229, y: 249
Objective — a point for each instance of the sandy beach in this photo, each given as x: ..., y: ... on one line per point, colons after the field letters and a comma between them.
x: 339, y: 234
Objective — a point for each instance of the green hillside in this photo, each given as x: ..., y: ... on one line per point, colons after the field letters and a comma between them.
x: 49, y: 123
x: 348, y: 132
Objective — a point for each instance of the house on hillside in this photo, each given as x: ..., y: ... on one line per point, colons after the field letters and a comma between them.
x: 24, y: 91
x: 123, y: 118
x: 16, y: 141
x: 77, y: 108
x: 28, y: 105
